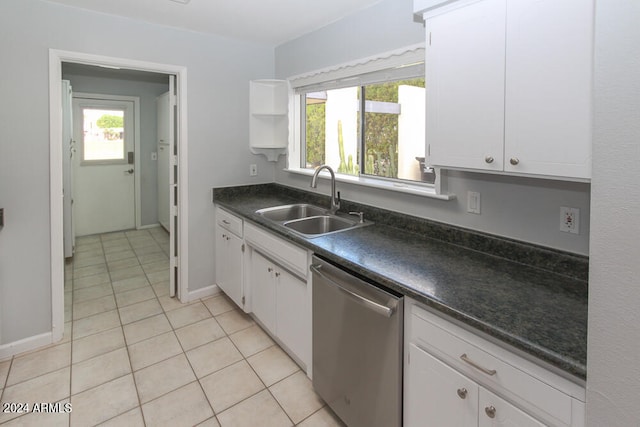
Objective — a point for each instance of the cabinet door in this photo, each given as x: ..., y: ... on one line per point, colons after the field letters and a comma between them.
x: 263, y: 291
x: 292, y: 317
x: 548, y: 87
x: 229, y: 267
x: 465, y: 59
x: 436, y: 395
x: 496, y: 412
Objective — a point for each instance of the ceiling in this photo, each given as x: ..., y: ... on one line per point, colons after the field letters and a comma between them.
x: 264, y: 21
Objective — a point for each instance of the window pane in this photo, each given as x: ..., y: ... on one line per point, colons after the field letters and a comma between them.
x: 331, y: 125
x: 394, y: 140
x: 103, y: 137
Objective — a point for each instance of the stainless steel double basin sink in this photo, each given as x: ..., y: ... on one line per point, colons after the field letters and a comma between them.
x: 310, y: 220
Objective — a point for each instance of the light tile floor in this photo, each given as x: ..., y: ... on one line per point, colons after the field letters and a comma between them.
x: 133, y: 356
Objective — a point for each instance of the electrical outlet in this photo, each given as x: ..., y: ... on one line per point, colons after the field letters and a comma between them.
x: 570, y: 220
x: 473, y: 202
x: 253, y: 170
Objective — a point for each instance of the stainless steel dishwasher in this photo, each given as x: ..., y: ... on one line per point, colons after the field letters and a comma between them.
x: 357, y: 347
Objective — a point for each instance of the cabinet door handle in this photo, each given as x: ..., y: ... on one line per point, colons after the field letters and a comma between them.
x: 269, y: 269
x: 462, y: 393
x: 490, y: 411
x: 514, y: 161
x: 465, y: 358
x: 488, y: 159
x: 277, y: 274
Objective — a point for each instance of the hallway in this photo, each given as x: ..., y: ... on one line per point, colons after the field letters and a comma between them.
x: 133, y: 356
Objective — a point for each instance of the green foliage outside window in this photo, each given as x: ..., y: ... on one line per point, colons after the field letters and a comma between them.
x: 381, y: 133
x: 109, y: 121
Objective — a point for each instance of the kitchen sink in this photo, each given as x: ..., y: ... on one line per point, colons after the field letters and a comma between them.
x: 309, y: 220
x: 291, y: 212
x: 317, y: 225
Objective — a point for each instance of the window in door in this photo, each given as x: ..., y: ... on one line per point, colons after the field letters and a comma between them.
x: 103, y: 135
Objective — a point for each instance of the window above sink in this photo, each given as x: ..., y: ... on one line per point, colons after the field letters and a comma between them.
x: 365, y: 119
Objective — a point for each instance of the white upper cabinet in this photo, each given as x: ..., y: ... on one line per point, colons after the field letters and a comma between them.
x: 548, y: 87
x: 465, y: 86
x: 509, y: 86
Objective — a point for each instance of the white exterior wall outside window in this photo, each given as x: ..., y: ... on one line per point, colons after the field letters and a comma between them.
x: 341, y: 106
x: 411, y: 131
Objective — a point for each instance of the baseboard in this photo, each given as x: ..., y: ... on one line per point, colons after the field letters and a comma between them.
x: 145, y: 227
x: 205, y: 292
x: 11, y: 349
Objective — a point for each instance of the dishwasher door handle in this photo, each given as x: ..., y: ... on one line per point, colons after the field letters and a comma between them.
x: 374, y: 306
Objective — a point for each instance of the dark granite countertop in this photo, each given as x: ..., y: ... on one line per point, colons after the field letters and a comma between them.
x: 532, y: 298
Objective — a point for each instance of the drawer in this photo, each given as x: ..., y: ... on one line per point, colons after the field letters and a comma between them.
x: 229, y: 221
x: 290, y: 256
x: 529, y: 386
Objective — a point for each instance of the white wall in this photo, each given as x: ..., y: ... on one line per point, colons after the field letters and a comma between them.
x: 147, y: 92
x: 613, y: 386
x: 218, y: 73
x: 519, y: 208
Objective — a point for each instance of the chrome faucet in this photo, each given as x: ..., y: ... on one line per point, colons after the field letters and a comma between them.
x: 335, y: 200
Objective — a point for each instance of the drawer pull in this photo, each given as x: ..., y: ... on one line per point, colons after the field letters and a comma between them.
x: 465, y: 358
x: 490, y: 411
x: 226, y: 222
x: 462, y: 393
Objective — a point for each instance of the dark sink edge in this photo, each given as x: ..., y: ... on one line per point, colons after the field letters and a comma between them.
x: 552, y: 260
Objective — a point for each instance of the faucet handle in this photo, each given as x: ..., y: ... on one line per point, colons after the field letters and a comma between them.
x: 360, y: 214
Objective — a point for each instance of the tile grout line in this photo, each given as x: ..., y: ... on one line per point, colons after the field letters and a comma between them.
x: 126, y: 344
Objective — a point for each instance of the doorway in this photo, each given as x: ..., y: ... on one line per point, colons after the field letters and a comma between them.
x: 104, y: 167
x: 177, y: 87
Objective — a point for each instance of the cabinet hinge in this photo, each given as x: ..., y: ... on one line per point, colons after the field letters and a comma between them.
x: 243, y: 252
x: 429, y: 38
x: 429, y: 150
x: 243, y: 297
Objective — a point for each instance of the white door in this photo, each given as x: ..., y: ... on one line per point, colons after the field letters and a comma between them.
x: 104, y: 190
x: 67, y: 163
x: 163, y: 112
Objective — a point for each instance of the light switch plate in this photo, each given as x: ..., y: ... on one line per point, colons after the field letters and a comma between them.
x: 473, y: 202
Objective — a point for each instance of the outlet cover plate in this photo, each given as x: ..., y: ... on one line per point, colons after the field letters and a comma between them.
x: 570, y: 220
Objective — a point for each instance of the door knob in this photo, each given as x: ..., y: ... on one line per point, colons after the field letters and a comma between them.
x: 490, y: 411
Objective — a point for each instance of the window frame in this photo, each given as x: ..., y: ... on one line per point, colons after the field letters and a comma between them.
x: 375, y: 69
x: 100, y: 102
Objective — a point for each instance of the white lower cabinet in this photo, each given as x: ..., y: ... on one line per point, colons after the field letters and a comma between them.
x: 281, y: 296
x: 453, y: 377
x: 229, y: 256
x: 495, y: 411
x: 438, y: 395
x: 263, y: 291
